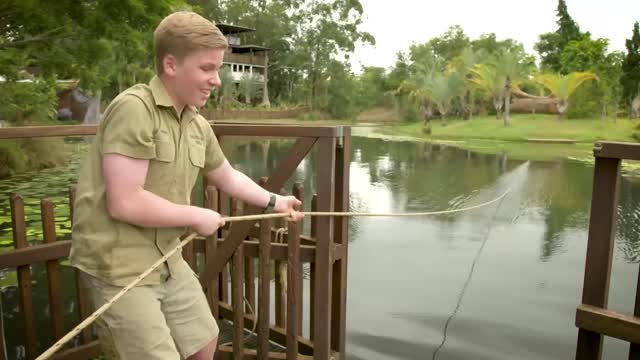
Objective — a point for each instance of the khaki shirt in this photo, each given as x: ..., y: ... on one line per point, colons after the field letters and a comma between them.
x: 141, y: 123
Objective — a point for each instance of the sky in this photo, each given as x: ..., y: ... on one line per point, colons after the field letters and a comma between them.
x: 396, y: 24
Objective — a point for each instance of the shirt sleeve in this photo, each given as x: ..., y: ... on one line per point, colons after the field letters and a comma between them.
x: 128, y: 129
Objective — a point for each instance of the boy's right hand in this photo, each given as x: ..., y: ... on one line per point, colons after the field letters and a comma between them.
x: 206, y: 221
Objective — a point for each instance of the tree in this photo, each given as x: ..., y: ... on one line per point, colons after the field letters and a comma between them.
x: 450, y: 44
x: 341, y: 91
x: 590, y: 55
x: 551, y: 45
x: 630, y: 79
x: 563, y: 86
x: 250, y: 87
x: 372, y: 88
x: 463, y: 64
x: 325, y: 29
x: 487, y: 78
x: 489, y: 44
x: 510, y: 65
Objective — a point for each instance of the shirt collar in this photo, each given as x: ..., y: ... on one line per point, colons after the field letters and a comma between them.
x: 161, y: 97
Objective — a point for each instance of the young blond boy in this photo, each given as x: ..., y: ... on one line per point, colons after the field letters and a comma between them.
x: 132, y: 200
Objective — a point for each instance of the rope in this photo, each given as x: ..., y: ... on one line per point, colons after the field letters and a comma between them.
x: 466, y: 284
x: 91, y: 318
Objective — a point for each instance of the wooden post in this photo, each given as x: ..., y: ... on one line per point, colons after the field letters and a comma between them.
x: 238, y: 303
x: 298, y: 192
x: 53, y: 271
x: 24, y: 275
x: 341, y: 231
x: 84, y: 304
x: 634, y: 349
x: 3, y: 346
x: 322, y: 311
x: 264, y: 284
x: 599, y: 250
x: 280, y: 295
x: 312, y: 268
x: 293, y: 292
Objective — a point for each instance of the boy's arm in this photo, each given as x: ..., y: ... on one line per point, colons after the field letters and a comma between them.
x: 128, y: 201
x: 240, y: 186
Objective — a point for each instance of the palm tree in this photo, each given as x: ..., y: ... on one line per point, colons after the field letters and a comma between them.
x: 486, y: 77
x: 443, y: 89
x: 417, y: 89
x: 507, y: 63
x: 562, y: 86
x: 464, y: 64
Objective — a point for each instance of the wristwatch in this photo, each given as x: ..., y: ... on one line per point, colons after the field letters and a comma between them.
x: 271, y: 204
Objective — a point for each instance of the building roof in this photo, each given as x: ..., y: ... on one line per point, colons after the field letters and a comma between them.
x: 233, y: 29
x: 248, y: 48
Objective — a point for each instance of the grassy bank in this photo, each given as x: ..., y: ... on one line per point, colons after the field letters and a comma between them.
x: 486, y: 134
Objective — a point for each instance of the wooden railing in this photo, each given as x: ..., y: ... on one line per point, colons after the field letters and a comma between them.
x: 593, y: 319
x: 230, y: 255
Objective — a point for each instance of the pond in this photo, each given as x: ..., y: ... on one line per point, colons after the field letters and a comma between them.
x: 504, y: 279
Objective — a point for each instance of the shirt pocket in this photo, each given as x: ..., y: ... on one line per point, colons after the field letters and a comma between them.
x: 165, y: 150
x: 196, y: 155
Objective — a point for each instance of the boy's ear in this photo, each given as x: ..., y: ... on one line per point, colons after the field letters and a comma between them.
x: 169, y: 64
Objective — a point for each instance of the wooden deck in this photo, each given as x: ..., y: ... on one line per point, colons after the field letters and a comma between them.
x: 236, y: 260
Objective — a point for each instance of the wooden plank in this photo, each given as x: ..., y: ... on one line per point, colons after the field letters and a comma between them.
x: 34, y: 254
x: 90, y: 350
x: 341, y: 231
x: 299, y: 131
x: 211, y: 242
x: 322, y: 312
x: 53, y: 270
x: 304, y: 239
x: 312, y: 267
x: 298, y: 192
x: 238, y: 303
x: 608, y: 322
x: 276, y: 333
x: 24, y: 275
x: 60, y: 249
x: 278, y: 251
x: 617, y: 150
x: 599, y: 250
x: 634, y: 348
x: 264, y: 285
x: 220, y: 130
x: 294, y: 304
x: 284, y: 170
x: 82, y: 296
x: 22, y: 132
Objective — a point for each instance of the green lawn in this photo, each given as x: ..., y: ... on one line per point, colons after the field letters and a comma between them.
x: 486, y: 134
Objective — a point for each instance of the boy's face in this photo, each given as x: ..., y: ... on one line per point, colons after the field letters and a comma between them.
x: 195, y: 76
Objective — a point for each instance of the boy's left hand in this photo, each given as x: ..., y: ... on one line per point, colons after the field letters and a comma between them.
x: 288, y: 204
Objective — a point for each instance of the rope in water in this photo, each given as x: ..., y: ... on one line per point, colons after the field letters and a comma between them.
x: 91, y: 318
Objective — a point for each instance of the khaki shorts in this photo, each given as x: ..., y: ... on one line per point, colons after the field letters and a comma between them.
x: 171, y: 320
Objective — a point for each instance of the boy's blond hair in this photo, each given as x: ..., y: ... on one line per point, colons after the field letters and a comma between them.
x: 183, y: 33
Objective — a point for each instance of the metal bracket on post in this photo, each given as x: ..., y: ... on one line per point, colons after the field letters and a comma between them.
x: 339, y: 136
